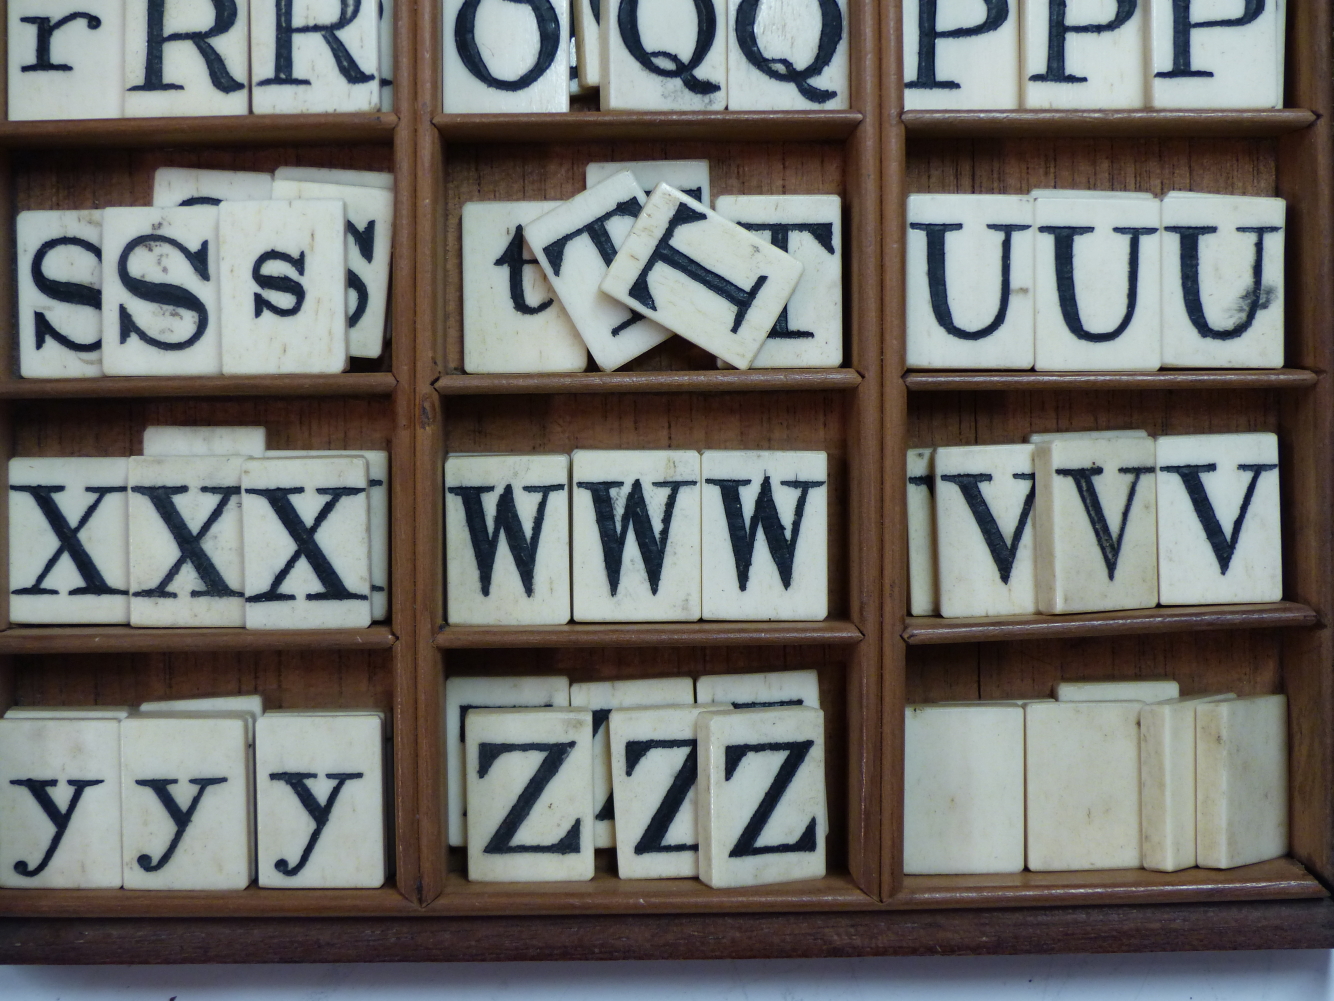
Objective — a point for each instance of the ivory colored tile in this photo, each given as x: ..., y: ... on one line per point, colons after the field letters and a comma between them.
x: 66, y: 61
x: 1241, y: 775
x: 1038, y: 437
x: 60, y: 803
x: 635, y: 535
x: 775, y: 689
x: 654, y: 59
x: 68, y: 541
x: 1218, y: 56
x: 984, y: 535
x: 588, y: 42
x: 249, y: 705
x: 368, y: 252
x: 530, y: 801
x: 701, y: 276
x: 1095, y: 524
x: 185, y: 541
x: 59, y: 294
x: 761, y: 798
x: 509, y: 60
x: 1096, y: 286
x: 284, y: 287
x: 319, y: 800
x: 787, y: 56
x: 333, y: 175
x: 654, y: 767
x: 307, y: 543
x: 782, y: 498
x: 809, y: 330
x: 1082, y: 772
x: 965, y: 57
x: 464, y: 694
x: 1167, y: 781
x: 602, y: 697
x: 187, y: 802
x: 164, y: 439
x: 194, y: 186
x: 981, y: 247
x: 300, y: 64
x: 386, y: 34
x: 1223, y: 300
x: 524, y: 501
x: 923, y: 598
x: 512, y: 320
x: 68, y: 712
x: 575, y: 243
x: 1219, y: 532
x: 186, y: 58
x: 1136, y: 690
x: 963, y: 789
x: 1083, y: 54
x: 160, y: 291
x: 690, y: 177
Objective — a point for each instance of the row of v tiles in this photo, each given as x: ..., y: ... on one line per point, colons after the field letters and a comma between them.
x: 171, y: 58
x: 1094, y: 521
x: 227, y: 273
x: 194, y: 794
x: 1064, y: 280
x: 207, y: 528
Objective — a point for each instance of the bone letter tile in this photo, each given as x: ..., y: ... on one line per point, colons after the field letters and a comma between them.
x: 186, y: 57
x: 1137, y: 690
x: 319, y: 800
x: 250, y: 705
x: 160, y: 291
x: 789, y: 55
x: 921, y: 506
x: 465, y: 694
x: 688, y: 176
x: 1083, y: 54
x: 1241, y: 774
x: 66, y: 61
x: 1038, y: 437
x: 981, y: 248
x: 752, y: 761
x: 530, y: 800
x: 588, y: 44
x: 512, y: 320
x: 760, y: 691
x: 655, y: 59
x: 602, y: 697
x: 173, y: 440
x: 386, y: 32
x: 965, y: 57
x: 60, y: 803
x: 1216, y: 56
x: 506, y: 57
x: 193, y: 186
x: 59, y: 294
x: 1219, y: 533
x: 332, y: 175
x: 307, y: 543
x: 68, y: 541
x: 701, y: 276
x: 327, y: 60
x: 67, y: 712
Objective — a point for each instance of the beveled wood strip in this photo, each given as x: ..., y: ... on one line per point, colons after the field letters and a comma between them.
x: 224, y: 130
x: 634, y: 634
x: 342, y: 384
x: 575, y: 126
x: 755, y: 380
x: 125, y: 639
x: 252, y: 902
x: 1139, y: 123
x: 1282, y: 378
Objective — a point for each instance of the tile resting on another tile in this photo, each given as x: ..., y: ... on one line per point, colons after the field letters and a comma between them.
x: 66, y: 62
x: 957, y: 57
x: 166, y: 79
x: 314, y: 66
x: 923, y: 596
x: 187, y: 186
x: 688, y: 176
x: 250, y: 705
x: 1241, y: 775
x: 513, y: 60
x: 760, y: 691
x: 67, y: 712
x: 653, y: 59
x: 59, y: 294
x: 334, y: 175
x: 1038, y: 437
x: 1213, y: 58
x: 165, y: 439
x: 1134, y: 690
x: 587, y: 48
x: 791, y: 55
x: 530, y: 805
x: 1074, y: 59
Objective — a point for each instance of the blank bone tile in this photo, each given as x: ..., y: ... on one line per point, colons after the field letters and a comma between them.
x: 635, y: 535
x: 923, y: 598
x: 68, y: 542
x: 688, y: 176
x: 512, y: 320
x: 984, y: 535
x: 186, y: 58
x: 314, y: 59
x: 187, y: 805
x: 809, y: 330
x: 701, y: 276
x: 1167, y: 781
x: 249, y: 705
x: 1069, y: 64
x: 1241, y: 775
x: 775, y: 689
x: 511, y: 60
x: 1082, y: 773
x: 160, y: 291
x: 1223, y: 299
x: 185, y: 541
x: 194, y: 186
x: 334, y: 175
x: 964, y: 58
x: 1096, y: 285
x: 165, y: 439
x: 462, y: 695
x: 66, y: 61
x: 787, y: 56
x: 530, y: 801
x: 369, y: 248
x: 319, y: 800
x: 575, y: 243
x: 386, y: 33
x: 1216, y: 57
x: 1219, y: 532
x: 67, y: 712
x: 764, y: 535
x: 754, y: 762
x: 587, y: 47
x: 655, y: 59
x: 1038, y: 437
x: 59, y: 294
x: 963, y: 788
x: 307, y: 543
x: 1136, y: 690
x: 969, y: 281
x: 60, y: 803
x: 507, y: 539
x: 602, y: 697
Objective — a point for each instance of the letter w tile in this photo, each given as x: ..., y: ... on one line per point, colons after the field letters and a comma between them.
x: 486, y: 540
x: 765, y: 515
x: 652, y: 546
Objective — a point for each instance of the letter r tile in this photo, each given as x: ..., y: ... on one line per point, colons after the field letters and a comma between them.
x: 329, y: 62
x: 66, y: 61
x: 187, y: 58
